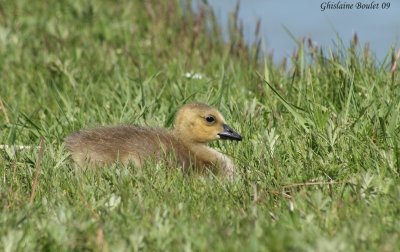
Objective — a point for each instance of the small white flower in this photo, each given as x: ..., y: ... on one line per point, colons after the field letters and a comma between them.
x: 113, y: 202
x: 15, y: 147
x: 192, y: 75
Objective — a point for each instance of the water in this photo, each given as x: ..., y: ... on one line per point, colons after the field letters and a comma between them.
x: 380, y: 27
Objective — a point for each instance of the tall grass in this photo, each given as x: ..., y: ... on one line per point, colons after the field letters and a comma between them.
x: 319, y: 165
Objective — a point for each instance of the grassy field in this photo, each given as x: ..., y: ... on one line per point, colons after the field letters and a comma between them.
x: 319, y: 165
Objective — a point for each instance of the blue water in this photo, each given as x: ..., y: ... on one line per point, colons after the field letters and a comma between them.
x: 380, y: 27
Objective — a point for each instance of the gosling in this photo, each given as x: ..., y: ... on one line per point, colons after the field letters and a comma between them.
x: 184, y: 146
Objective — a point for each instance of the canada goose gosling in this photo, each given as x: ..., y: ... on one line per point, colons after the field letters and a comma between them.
x: 195, y: 126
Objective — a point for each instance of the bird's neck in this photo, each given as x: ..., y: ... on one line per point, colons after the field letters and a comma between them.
x: 206, y: 155
x: 201, y: 150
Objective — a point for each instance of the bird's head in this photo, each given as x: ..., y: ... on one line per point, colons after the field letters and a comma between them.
x: 200, y: 123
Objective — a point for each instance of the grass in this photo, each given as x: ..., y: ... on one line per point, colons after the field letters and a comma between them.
x: 319, y: 165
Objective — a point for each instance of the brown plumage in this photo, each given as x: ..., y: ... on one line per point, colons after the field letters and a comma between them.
x: 185, y: 146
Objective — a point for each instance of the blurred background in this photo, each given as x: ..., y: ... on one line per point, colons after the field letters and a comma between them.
x: 304, y: 19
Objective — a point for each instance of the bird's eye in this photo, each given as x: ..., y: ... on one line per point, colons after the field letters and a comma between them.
x: 210, y: 119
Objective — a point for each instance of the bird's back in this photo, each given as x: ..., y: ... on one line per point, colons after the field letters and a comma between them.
x: 105, y: 145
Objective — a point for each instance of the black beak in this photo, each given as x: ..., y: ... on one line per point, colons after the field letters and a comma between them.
x: 230, y: 134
